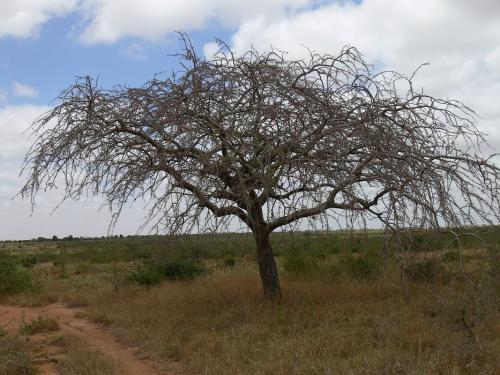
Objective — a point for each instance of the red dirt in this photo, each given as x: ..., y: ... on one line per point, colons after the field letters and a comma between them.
x: 94, y: 335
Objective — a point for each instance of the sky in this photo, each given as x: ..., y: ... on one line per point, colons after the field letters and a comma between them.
x: 46, y: 44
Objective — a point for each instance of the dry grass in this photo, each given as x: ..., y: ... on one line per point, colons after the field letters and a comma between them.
x: 326, y: 323
x: 220, y: 325
x: 14, y: 357
x: 79, y: 359
x: 42, y: 324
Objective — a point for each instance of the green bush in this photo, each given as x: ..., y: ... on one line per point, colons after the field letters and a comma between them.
x: 427, y: 270
x: 355, y: 246
x: 182, y: 269
x: 451, y: 256
x: 150, y: 273
x: 13, y: 278
x: 330, y: 271
x: 229, y: 262
x: 146, y: 274
x: 334, y: 250
x: 29, y: 261
x: 366, y: 266
x: 300, y: 265
x: 318, y: 252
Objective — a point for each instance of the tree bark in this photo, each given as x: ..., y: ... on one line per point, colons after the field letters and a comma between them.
x: 267, y: 267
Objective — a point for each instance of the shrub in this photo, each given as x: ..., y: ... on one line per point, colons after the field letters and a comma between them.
x: 229, y: 262
x: 488, y: 287
x: 334, y: 250
x: 146, y: 274
x: 40, y: 325
x: 299, y: 264
x: 59, y: 270
x: 82, y: 269
x: 355, y: 246
x: 13, y: 357
x: 182, y: 269
x: 318, y: 252
x: 428, y: 270
x: 13, y: 278
x: 365, y: 266
x: 419, y: 242
x: 451, y: 256
x: 197, y: 252
x: 330, y: 271
x: 29, y: 261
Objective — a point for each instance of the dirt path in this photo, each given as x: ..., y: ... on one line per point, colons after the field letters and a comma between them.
x: 94, y: 335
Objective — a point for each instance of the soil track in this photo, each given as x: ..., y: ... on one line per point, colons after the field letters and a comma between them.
x: 94, y: 335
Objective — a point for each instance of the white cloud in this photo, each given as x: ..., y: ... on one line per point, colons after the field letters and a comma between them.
x: 22, y: 90
x: 14, y: 120
x: 108, y: 21
x: 210, y: 49
x: 111, y: 20
x: 22, y: 18
x: 459, y: 39
x: 77, y: 218
x: 135, y: 51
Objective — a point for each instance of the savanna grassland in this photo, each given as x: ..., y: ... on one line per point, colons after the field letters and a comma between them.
x: 353, y: 302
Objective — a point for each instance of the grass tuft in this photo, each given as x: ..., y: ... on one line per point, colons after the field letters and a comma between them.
x: 14, y: 359
x: 41, y: 324
x: 79, y: 359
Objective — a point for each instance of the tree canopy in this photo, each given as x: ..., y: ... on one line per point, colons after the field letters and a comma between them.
x: 268, y: 141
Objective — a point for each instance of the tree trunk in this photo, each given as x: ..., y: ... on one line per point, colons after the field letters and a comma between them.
x: 267, y: 267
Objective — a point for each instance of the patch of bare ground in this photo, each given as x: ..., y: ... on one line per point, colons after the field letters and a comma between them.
x: 78, y: 340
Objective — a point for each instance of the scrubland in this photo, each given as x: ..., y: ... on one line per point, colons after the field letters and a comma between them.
x: 353, y: 302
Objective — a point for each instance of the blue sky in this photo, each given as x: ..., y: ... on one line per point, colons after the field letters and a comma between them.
x: 45, y: 44
x: 50, y: 61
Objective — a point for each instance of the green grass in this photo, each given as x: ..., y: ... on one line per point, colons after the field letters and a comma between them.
x: 218, y: 246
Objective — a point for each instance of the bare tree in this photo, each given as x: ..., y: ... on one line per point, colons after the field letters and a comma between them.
x: 269, y: 141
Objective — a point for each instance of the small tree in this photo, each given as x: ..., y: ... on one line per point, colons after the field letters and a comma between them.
x: 269, y: 141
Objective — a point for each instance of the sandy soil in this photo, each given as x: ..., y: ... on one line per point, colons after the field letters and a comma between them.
x: 97, y: 337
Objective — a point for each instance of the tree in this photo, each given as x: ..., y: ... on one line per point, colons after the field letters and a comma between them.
x: 268, y: 141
